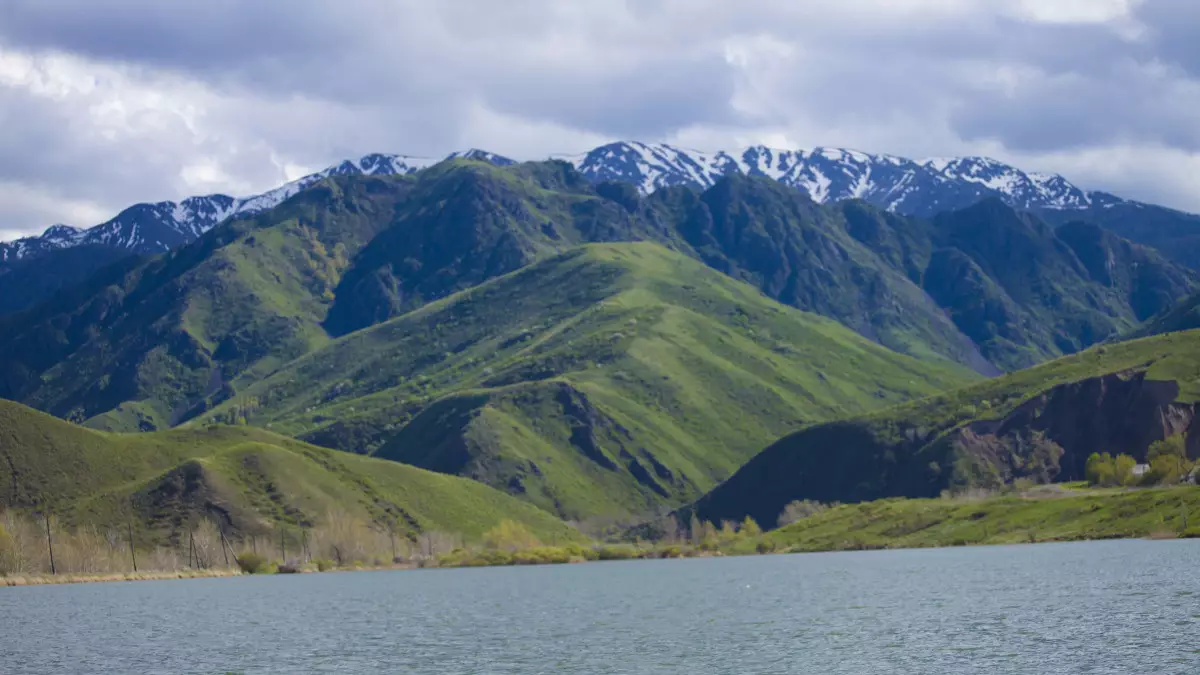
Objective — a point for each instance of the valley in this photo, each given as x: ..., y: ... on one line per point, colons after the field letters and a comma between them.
x: 635, y: 334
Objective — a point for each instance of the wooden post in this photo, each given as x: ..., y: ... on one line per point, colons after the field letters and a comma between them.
x: 195, y: 552
x: 132, y: 554
x: 50, y: 544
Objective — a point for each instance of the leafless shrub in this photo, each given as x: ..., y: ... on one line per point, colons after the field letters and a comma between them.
x: 799, y: 510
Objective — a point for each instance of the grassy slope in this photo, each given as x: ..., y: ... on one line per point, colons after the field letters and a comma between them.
x: 916, y: 523
x: 809, y: 256
x: 249, y: 478
x: 138, y: 345
x: 898, y: 451
x: 1184, y: 315
x: 1026, y: 292
x: 1174, y: 233
x: 26, y: 283
x: 631, y: 376
x: 149, y: 345
x: 146, y: 345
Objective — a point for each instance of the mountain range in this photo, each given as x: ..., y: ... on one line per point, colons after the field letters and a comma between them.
x: 615, y: 333
x: 905, y: 186
x: 987, y: 287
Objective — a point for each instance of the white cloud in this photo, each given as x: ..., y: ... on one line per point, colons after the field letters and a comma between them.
x: 1118, y: 12
x: 107, y: 102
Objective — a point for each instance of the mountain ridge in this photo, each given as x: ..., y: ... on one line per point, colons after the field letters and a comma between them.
x: 609, y: 364
x: 919, y: 187
x: 149, y: 341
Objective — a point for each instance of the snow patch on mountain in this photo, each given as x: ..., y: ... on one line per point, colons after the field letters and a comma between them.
x: 916, y: 187
x: 155, y: 228
x: 912, y: 187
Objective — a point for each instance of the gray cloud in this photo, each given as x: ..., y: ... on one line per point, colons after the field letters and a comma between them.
x: 112, y: 101
x: 1172, y: 27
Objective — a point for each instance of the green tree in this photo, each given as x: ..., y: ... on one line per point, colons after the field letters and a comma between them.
x: 1168, y: 460
x: 1167, y: 469
x: 750, y: 528
x: 1170, y: 446
x: 1123, y: 470
x: 509, y: 535
x: 1099, y: 469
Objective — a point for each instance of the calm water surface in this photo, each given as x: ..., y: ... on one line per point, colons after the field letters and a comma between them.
x: 1102, y: 607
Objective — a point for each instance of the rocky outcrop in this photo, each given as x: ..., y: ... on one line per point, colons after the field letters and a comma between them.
x: 1049, y: 437
x: 1046, y: 438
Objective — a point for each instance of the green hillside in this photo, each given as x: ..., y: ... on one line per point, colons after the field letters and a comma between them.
x: 1039, y: 517
x: 613, y: 378
x: 1021, y: 290
x: 1038, y: 424
x: 248, y: 479
x: 1173, y: 233
x: 26, y: 283
x: 1183, y: 315
x: 149, y: 344
x: 139, y: 345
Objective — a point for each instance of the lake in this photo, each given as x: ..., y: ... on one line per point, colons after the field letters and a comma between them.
x: 1096, y: 607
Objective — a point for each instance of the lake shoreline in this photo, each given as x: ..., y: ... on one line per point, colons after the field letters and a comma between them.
x: 19, y: 580
x: 1151, y: 514
x: 16, y: 581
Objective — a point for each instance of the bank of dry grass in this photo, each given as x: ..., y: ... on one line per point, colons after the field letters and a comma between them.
x: 34, y: 551
x: 45, y: 579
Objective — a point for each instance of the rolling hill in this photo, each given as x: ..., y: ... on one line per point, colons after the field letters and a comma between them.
x: 148, y: 344
x: 610, y: 379
x: 248, y: 480
x: 456, y: 318
x: 1040, y: 423
x: 145, y: 345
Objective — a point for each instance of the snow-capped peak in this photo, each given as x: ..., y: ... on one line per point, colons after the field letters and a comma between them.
x: 915, y: 187
x: 919, y: 187
x: 158, y: 227
x: 482, y: 156
x: 61, y: 232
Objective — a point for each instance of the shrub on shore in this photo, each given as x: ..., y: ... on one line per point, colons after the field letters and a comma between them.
x: 254, y: 563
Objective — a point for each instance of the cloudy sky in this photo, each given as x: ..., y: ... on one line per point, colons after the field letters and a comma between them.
x: 107, y: 102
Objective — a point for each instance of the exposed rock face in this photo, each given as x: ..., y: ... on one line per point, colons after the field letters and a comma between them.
x: 1050, y: 436
x: 1047, y: 438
